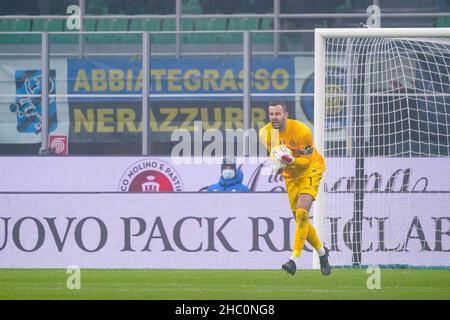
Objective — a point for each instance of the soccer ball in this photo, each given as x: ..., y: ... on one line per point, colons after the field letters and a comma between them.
x: 276, y: 155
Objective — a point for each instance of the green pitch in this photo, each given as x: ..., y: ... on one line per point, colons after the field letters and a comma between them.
x: 224, y: 284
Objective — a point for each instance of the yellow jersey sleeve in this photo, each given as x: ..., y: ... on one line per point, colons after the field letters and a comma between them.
x: 298, y: 137
x: 304, y: 143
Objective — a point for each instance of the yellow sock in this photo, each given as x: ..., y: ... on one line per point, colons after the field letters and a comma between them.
x: 312, y: 238
x: 301, y: 231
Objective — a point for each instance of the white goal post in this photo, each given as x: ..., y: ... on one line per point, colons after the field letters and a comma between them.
x: 382, y: 122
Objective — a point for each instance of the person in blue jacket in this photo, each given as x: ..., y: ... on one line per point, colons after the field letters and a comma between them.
x: 230, y: 179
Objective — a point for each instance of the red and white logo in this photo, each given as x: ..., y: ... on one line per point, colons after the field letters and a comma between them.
x: 151, y: 175
x: 59, y: 145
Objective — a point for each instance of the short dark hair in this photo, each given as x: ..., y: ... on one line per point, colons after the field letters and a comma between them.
x: 228, y: 161
x: 276, y: 103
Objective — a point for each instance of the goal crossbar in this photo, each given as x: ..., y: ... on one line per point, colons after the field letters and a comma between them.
x: 381, y: 32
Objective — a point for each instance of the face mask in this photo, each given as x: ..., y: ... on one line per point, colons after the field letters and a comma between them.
x: 228, y: 174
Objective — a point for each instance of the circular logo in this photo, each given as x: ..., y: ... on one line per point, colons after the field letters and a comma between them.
x: 335, y: 101
x: 58, y: 144
x: 151, y: 175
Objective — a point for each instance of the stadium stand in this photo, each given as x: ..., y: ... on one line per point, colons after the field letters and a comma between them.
x: 66, y: 37
x: 42, y: 25
x: 108, y: 25
x: 264, y: 37
x: 192, y: 7
x: 443, y: 6
x: 213, y: 24
x: 159, y: 16
x: 141, y: 25
x: 236, y: 24
x: 96, y: 7
x: 159, y: 7
x: 16, y: 25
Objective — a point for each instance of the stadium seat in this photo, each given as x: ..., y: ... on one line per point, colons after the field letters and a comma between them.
x: 154, y: 25
x: 264, y: 37
x: 90, y: 25
x: 192, y: 7
x: 213, y: 24
x: 344, y: 7
x: 141, y: 25
x: 16, y: 25
x: 266, y: 24
x: 243, y: 24
x: 96, y: 7
x: 187, y: 24
x: 240, y: 24
x: 443, y: 22
x: 67, y: 37
x: 42, y: 25
x: 108, y: 25
x: 167, y: 25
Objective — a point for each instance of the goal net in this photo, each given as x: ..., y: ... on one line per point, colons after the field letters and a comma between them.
x: 382, y: 120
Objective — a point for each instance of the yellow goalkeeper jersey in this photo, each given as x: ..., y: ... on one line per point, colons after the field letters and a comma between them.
x: 298, y: 137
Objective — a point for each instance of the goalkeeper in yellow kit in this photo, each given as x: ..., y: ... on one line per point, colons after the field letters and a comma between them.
x: 302, y: 171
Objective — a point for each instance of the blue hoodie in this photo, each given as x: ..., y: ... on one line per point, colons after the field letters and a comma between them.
x: 231, y: 185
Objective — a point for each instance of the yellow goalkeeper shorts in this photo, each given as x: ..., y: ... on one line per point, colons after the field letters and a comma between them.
x: 306, y: 184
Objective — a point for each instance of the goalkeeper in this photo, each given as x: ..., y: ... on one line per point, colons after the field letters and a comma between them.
x: 302, y: 167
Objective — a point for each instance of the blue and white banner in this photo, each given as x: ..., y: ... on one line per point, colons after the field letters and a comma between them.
x: 20, y: 109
